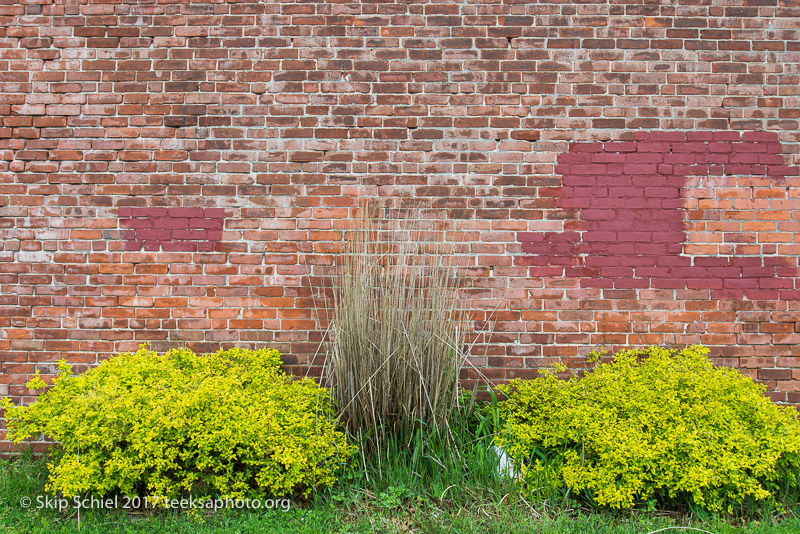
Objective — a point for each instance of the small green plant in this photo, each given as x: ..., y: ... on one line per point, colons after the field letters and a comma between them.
x: 393, y: 497
x: 230, y: 424
x: 653, y: 424
x: 430, y: 468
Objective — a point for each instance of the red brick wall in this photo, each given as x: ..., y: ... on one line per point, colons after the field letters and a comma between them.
x: 614, y: 175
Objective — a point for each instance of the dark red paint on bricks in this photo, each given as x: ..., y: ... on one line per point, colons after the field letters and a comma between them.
x: 630, y: 228
x: 172, y: 229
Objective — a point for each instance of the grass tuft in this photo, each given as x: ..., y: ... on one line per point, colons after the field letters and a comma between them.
x: 395, y: 349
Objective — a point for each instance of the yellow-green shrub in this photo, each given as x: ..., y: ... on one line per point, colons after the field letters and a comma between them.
x: 228, y: 424
x: 654, y: 423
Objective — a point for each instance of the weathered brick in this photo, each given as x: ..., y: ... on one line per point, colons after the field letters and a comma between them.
x: 186, y: 197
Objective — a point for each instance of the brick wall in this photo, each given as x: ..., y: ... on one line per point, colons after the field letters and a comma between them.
x: 614, y: 175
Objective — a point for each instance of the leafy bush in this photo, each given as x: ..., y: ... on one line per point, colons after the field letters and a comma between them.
x: 653, y: 424
x: 230, y: 424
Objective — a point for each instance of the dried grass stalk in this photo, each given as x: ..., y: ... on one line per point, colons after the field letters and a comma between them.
x: 395, y: 349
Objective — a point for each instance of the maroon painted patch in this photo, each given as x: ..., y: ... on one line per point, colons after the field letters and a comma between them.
x: 172, y: 229
x: 630, y: 230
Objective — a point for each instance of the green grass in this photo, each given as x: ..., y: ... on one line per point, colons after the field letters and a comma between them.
x: 347, y: 509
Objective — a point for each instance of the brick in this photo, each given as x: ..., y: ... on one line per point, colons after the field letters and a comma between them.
x: 604, y: 193
x: 303, y: 156
x: 774, y: 374
x: 526, y: 135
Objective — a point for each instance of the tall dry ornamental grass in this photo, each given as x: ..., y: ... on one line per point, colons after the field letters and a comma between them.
x: 395, y: 346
